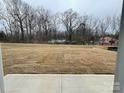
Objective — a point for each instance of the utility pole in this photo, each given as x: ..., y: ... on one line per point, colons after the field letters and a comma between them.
x: 2, y: 89
x: 119, y: 74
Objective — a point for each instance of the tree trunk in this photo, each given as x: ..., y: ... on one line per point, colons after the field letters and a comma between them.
x: 22, y: 30
x: 30, y: 31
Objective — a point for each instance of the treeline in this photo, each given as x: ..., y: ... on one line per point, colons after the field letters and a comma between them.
x: 20, y: 22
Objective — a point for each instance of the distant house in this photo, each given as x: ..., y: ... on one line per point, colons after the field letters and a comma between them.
x: 57, y: 41
x: 107, y: 40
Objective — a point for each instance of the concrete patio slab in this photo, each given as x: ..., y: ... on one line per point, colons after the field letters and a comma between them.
x: 56, y: 83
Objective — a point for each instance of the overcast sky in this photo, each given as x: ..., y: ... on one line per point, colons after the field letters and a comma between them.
x: 98, y: 8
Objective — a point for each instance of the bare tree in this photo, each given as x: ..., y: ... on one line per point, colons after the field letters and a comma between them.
x: 30, y: 21
x: 0, y: 11
x: 104, y: 25
x: 23, y: 23
x: 43, y: 21
x: 55, y: 24
x: 70, y: 20
x: 16, y: 10
x: 115, y: 26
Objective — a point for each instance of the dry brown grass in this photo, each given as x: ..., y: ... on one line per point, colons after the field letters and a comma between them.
x: 43, y: 58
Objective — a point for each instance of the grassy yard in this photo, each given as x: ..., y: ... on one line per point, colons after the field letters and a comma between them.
x: 68, y: 59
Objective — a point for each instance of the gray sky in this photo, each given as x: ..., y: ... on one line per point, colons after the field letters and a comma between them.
x: 98, y: 8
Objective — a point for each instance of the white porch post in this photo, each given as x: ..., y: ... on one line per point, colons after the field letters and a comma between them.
x: 119, y: 75
x: 1, y: 74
